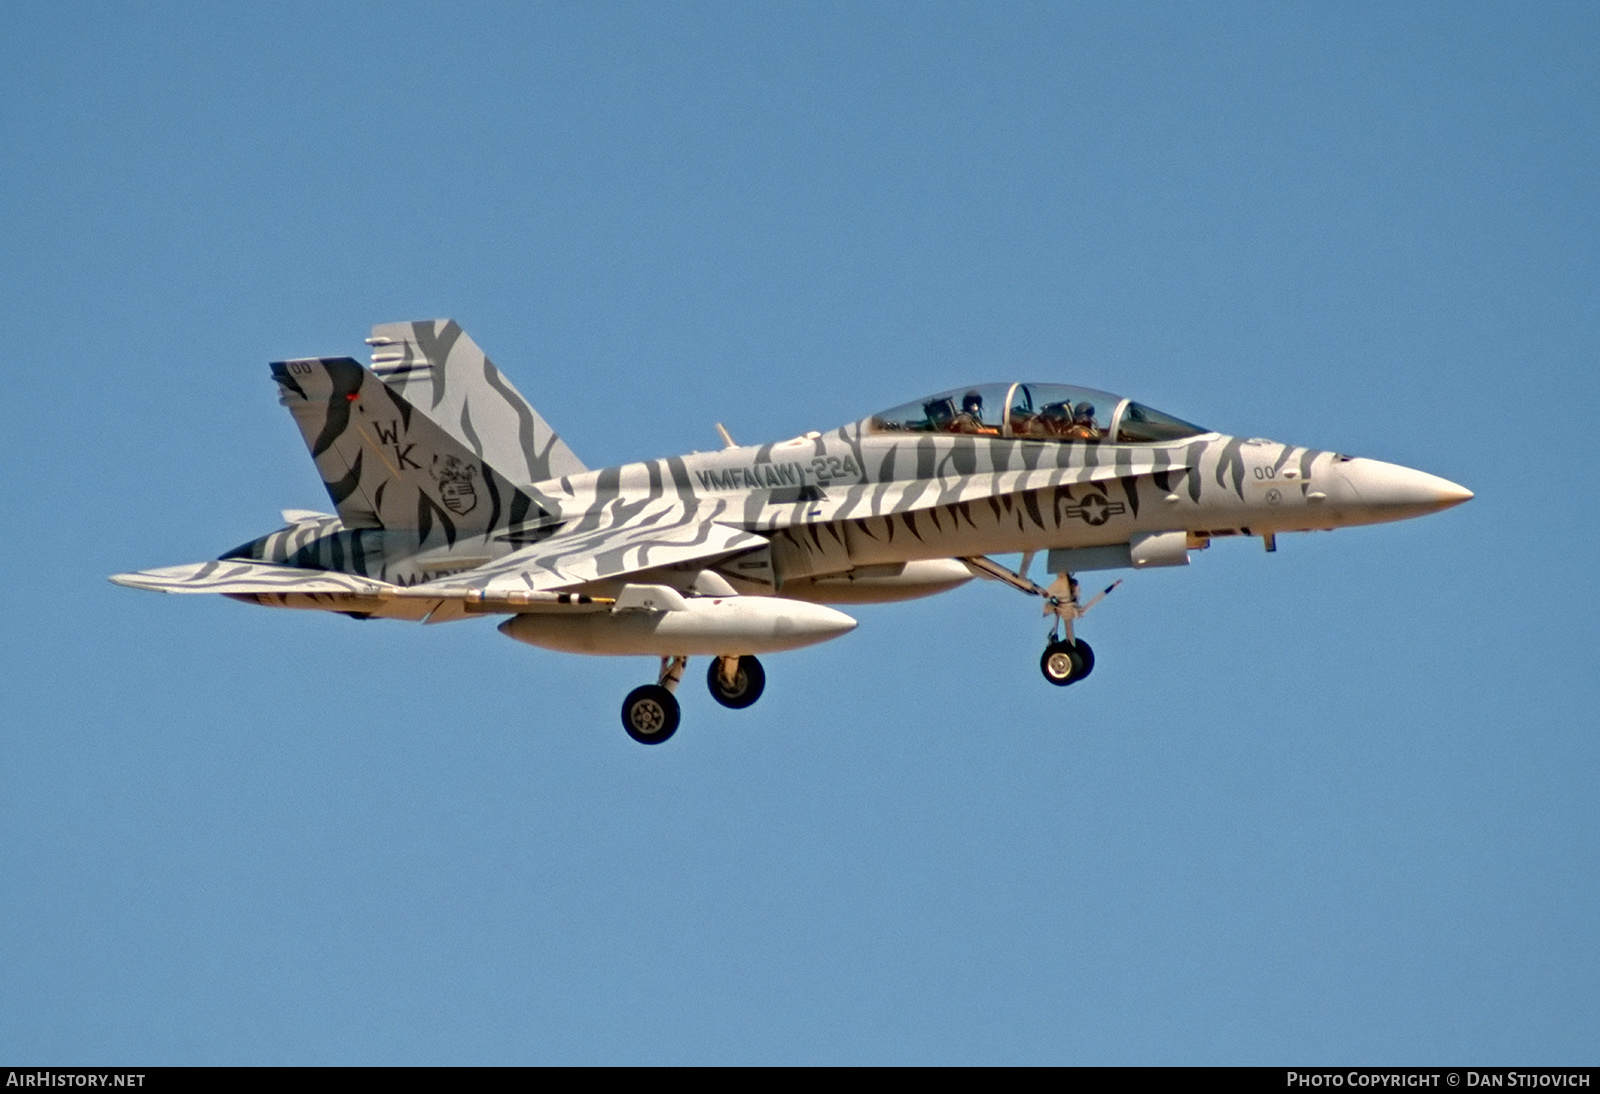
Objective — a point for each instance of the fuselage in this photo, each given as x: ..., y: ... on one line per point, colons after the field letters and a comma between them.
x: 853, y: 500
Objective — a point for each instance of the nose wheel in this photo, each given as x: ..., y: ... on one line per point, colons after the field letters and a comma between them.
x: 1066, y: 663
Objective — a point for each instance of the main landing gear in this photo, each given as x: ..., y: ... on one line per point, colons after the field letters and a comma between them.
x: 1066, y: 658
x: 736, y: 682
x: 651, y: 713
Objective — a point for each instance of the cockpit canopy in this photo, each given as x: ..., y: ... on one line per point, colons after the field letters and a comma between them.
x: 1046, y: 412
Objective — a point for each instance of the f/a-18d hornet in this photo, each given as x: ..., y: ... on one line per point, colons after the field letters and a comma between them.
x: 454, y: 499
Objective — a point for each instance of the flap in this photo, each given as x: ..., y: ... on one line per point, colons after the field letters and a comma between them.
x: 230, y: 575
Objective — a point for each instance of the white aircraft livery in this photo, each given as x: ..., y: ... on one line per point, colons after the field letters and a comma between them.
x: 453, y: 498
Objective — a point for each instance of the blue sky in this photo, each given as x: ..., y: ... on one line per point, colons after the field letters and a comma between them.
x: 1330, y: 805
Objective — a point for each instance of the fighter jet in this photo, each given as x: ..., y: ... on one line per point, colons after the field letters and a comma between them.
x: 453, y: 498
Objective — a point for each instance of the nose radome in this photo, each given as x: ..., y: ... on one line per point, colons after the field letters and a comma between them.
x: 1397, y: 491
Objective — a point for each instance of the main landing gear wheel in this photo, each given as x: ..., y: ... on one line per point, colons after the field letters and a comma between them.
x: 748, y: 682
x: 1066, y: 663
x: 650, y: 714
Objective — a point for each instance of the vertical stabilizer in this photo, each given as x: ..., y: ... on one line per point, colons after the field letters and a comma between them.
x: 387, y: 466
x: 442, y: 372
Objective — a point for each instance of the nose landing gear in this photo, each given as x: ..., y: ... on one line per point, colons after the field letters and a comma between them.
x: 1065, y: 660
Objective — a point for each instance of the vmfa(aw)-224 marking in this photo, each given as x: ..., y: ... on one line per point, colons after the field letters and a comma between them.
x: 823, y: 471
x: 454, y: 498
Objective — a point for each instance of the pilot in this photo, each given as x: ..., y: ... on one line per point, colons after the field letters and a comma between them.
x: 1083, y: 426
x: 970, y: 420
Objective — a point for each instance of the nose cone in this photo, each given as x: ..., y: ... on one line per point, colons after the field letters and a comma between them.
x: 1386, y: 491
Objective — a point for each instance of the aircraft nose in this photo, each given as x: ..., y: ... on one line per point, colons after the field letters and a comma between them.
x: 1391, y: 492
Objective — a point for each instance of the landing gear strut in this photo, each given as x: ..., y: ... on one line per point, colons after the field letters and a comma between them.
x: 1066, y: 660
x: 650, y: 713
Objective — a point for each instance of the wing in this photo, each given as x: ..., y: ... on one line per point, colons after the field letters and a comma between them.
x: 233, y: 577
x: 290, y: 587
x: 623, y: 539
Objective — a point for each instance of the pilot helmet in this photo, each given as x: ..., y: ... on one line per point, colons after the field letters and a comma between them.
x: 972, y: 403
